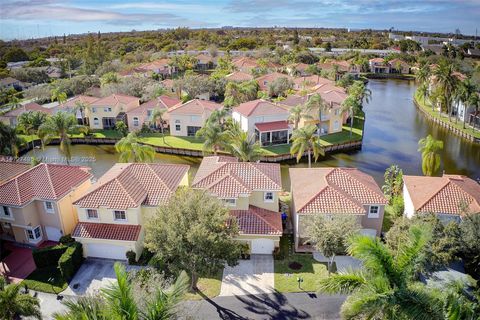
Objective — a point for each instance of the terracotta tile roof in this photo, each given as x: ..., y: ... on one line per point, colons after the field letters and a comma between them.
x: 270, y: 77
x: 81, y: 99
x: 260, y: 107
x: 311, y: 81
x: 44, y: 181
x: 239, y: 76
x: 162, y: 102
x: 377, y: 60
x: 154, y: 65
x: 129, y: 185
x: 293, y: 100
x: 225, y: 177
x: 258, y: 221
x: 107, y: 231
x: 245, y: 62
x: 10, y: 169
x: 115, y: 99
x: 272, y: 126
x: 31, y: 106
x: 333, y: 190
x: 443, y: 194
x: 195, y: 106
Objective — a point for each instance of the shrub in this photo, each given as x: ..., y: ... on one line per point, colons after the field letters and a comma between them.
x: 131, y: 256
x: 71, y: 260
x: 46, y: 257
x: 398, y: 206
x: 66, y: 239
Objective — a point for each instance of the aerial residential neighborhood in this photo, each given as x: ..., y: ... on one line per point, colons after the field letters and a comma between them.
x: 239, y: 159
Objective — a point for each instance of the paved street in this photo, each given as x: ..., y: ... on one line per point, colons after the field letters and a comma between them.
x: 254, y: 276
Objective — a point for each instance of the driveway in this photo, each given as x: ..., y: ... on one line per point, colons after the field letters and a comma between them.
x: 254, y: 276
x: 93, y: 275
x: 343, y: 263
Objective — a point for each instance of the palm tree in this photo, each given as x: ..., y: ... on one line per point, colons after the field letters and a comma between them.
x: 10, y: 142
x: 242, y: 145
x: 296, y: 114
x: 306, y: 140
x: 14, y: 304
x: 29, y: 123
x: 215, y: 138
x: 384, y: 288
x: 131, y: 150
x: 316, y: 102
x: 218, y: 117
x: 423, y: 91
x: 423, y: 74
x: 80, y: 106
x: 60, y: 125
x: 467, y: 93
x: 118, y: 301
x: 58, y: 95
x: 157, y: 118
x: 460, y: 303
x: 351, y: 106
x: 447, y: 83
x: 429, y: 147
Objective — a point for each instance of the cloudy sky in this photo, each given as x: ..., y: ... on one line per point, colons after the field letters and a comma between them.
x: 33, y: 18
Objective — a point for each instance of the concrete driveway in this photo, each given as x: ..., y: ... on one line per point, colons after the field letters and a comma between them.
x: 343, y: 263
x: 254, y: 276
x: 93, y: 275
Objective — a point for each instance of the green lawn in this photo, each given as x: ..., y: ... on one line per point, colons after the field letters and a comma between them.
x: 189, y: 143
x: 95, y: 134
x: 208, y: 286
x: 39, y: 280
x: 426, y: 106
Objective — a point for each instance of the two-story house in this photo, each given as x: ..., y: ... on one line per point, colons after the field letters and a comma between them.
x: 187, y: 118
x: 267, y: 79
x: 10, y: 118
x: 334, y: 191
x: 448, y: 196
x: 399, y: 66
x: 80, y: 106
x: 239, y: 76
x: 306, y: 83
x: 36, y: 205
x: 105, y: 112
x: 113, y: 212
x: 264, y: 119
x: 161, y: 67
x: 143, y: 114
x: 378, y: 65
x: 250, y: 191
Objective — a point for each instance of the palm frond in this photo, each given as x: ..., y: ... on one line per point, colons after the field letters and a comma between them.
x: 342, y: 283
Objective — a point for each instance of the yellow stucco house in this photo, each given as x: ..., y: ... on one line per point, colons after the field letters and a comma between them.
x: 250, y: 191
x: 36, y: 205
x: 113, y: 212
x: 105, y: 112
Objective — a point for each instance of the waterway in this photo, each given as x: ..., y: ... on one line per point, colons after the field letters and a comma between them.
x: 392, y: 130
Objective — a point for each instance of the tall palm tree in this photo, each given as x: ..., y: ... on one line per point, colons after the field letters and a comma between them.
x: 296, y: 114
x: 60, y: 125
x: 80, y: 107
x: 131, y: 150
x: 467, y: 93
x: 351, y: 106
x: 384, y: 289
x: 57, y: 95
x: 118, y: 301
x: 218, y: 117
x: 158, y: 118
x: 447, y: 83
x: 423, y: 91
x: 14, y: 304
x: 306, y: 140
x: 316, y: 103
x: 29, y: 123
x: 10, y: 142
x: 214, y: 137
x: 423, y: 74
x: 429, y: 147
x: 242, y: 145
x: 460, y: 303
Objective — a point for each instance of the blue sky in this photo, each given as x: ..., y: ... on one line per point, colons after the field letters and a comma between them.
x: 33, y: 18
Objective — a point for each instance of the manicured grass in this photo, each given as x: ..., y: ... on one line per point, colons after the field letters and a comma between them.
x: 311, y: 272
x: 276, y: 150
x: 426, y: 106
x: 39, y: 280
x: 190, y: 143
x: 209, y: 286
x: 388, y: 218
x: 107, y: 134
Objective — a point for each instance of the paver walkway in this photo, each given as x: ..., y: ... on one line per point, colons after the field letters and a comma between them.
x: 254, y: 276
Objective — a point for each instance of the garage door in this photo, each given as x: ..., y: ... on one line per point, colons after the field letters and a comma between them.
x: 106, y: 251
x: 263, y: 246
x: 53, y: 234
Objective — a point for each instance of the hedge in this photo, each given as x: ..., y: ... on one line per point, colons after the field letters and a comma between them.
x: 49, y: 256
x: 71, y: 260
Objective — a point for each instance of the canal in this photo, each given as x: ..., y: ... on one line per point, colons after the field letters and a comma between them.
x: 392, y: 130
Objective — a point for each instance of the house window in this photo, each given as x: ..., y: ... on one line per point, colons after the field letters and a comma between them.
x: 94, y: 110
x: 149, y: 113
x: 49, y: 206
x: 265, y: 82
x: 7, y: 225
x: 107, y: 109
x: 120, y: 215
x: 34, y: 234
x: 268, y: 196
x: 95, y: 121
x: 259, y: 119
x: 194, y: 118
x: 337, y: 112
x: 230, y: 202
x: 373, y: 212
x: 177, y: 125
x: 6, y: 212
x: 135, y: 121
x: 92, y: 214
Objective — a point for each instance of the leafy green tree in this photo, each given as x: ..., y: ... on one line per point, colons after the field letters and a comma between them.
x: 447, y: 83
x: 10, y: 142
x: 470, y: 243
x: 280, y: 87
x: 29, y: 122
x: 461, y: 303
x: 384, y: 288
x: 393, y: 185
x: 236, y: 93
x: 108, y: 78
x: 306, y: 140
x: 214, y: 138
x: 121, y: 127
x: 183, y: 62
x: 467, y: 93
x: 329, y: 234
x: 131, y: 150
x: 193, y: 231
x: 60, y: 126
x: 58, y: 95
x: 429, y: 147
x: 16, y: 305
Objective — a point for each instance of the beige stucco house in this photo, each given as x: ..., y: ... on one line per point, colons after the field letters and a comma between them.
x: 112, y: 213
x: 448, y: 196
x: 334, y: 191
x: 250, y: 191
x: 143, y: 114
x: 36, y: 205
x: 10, y: 118
x: 265, y: 120
x: 105, y: 112
x: 187, y: 118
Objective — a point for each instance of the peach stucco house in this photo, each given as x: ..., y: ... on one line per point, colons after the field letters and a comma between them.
x: 112, y: 213
x: 334, y: 191
x: 143, y: 114
x: 36, y: 204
